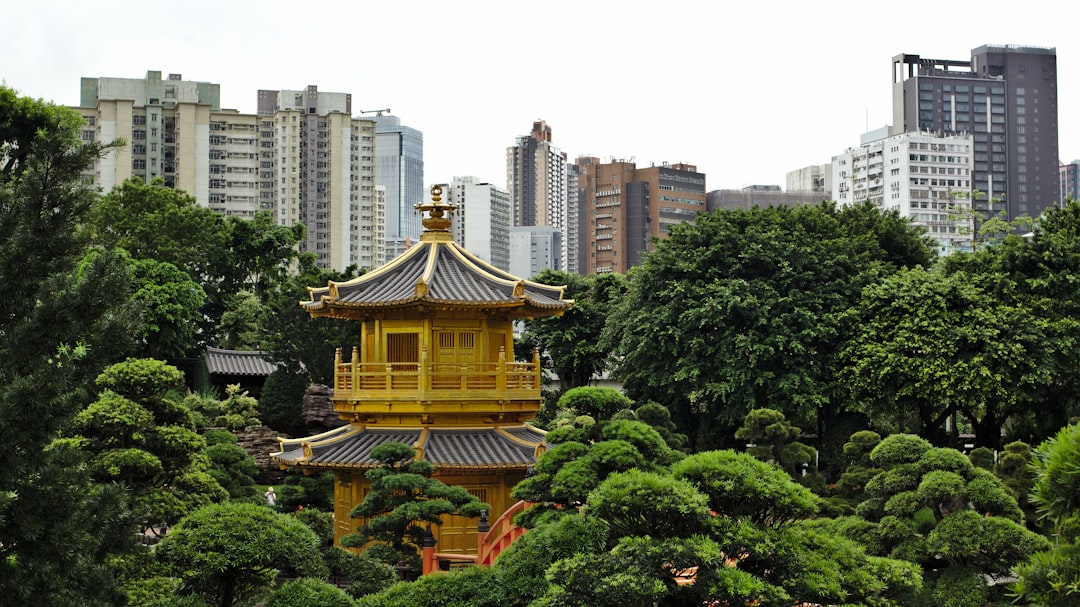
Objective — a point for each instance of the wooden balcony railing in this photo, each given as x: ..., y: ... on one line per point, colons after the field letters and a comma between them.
x: 501, y: 380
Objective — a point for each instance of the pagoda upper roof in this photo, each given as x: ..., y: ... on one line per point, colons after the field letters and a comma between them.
x: 493, y: 447
x: 437, y: 272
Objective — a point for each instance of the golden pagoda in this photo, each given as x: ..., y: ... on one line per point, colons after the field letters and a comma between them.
x: 434, y: 368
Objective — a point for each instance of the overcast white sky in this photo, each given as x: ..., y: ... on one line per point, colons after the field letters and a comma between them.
x: 746, y: 91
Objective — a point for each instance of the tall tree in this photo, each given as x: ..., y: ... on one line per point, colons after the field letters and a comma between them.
x: 739, y: 311
x: 59, y: 325
x: 402, y: 501
x: 152, y: 221
x: 930, y: 346
x: 570, y: 344
x: 224, y: 256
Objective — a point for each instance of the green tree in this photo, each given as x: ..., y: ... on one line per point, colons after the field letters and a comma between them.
x: 224, y: 256
x: 852, y: 483
x: 598, y: 403
x: 171, y: 303
x: 59, y: 325
x: 402, y: 502
x: 1052, y: 576
x: 153, y: 221
x: 242, y: 322
x: 303, y: 345
x: 309, y: 592
x: 929, y: 346
x: 775, y: 439
x: 739, y: 310
x: 582, y: 458
x: 140, y: 435
x: 931, y: 506
x: 1015, y: 468
x: 658, y: 527
x: 469, y: 587
x: 230, y: 465
x: 570, y: 343
x: 226, y: 553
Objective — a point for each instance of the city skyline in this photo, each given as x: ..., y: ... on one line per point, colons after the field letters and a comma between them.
x: 745, y: 94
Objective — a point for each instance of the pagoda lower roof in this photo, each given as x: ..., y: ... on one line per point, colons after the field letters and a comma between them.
x: 439, y: 272
x: 491, y: 447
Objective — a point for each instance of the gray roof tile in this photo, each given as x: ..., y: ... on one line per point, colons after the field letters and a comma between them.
x: 238, y: 362
x: 450, y: 274
x: 350, y: 447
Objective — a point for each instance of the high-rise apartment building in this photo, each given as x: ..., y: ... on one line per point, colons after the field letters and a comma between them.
x: 165, y: 123
x: 1006, y: 97
x: 482, y: 219
x: 572, y: 232
x: 324, y: 177
x: 626, y: 207
x: 302, y: 156
x: 399, y: 167
x: 924, y: 177
x: 380, y: 226
x: 1070, y: 181
x: 537, y: 180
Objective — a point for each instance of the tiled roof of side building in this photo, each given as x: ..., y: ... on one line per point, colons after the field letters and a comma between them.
x: 220, y: 361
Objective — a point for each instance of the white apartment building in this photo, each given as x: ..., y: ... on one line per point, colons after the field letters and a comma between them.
x: 533, y: 249
x: 482, y: 220
x: 923, y: 177
x: 380, y: 226
x: 302, y: 156
x: 325, y: 172
x: 164, y: 122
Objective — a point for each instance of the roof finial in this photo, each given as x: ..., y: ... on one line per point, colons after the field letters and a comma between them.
x: 436, y: 221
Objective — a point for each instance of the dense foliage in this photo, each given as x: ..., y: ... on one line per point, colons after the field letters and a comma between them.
x: 741, y: 310
x: 60, y: 324
x: 225, y: 552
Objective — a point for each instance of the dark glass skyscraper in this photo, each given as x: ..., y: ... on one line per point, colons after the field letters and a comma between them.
x: 1006, y: 97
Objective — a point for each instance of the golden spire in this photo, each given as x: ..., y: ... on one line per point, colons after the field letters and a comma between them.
x: 438, y: 211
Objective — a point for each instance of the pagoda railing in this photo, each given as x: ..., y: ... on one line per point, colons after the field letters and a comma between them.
x: 358, y: 381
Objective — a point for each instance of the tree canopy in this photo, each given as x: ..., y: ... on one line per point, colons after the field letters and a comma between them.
x: 740, y: 310
x: 928, y: 345
x: 225, y: 552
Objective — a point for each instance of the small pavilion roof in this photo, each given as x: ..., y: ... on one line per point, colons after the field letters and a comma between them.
x: 220, y: 361
x: 437, y: 272
x: 493, y: 447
